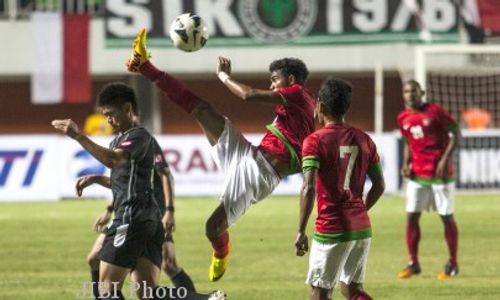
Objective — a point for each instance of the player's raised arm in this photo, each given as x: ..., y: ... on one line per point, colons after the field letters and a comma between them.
x: 109, y: 158
x: 244, y: 91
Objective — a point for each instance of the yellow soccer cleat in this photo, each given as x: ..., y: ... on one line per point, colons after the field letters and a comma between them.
x: 217, y: 268
x: 140, y: 54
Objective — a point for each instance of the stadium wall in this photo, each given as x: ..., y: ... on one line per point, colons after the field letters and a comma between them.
x: 19, y: 116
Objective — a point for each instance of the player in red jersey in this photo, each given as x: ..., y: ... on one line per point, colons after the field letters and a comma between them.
x: 336, y: 160
x: 252, y: 172
x: 430, y: 135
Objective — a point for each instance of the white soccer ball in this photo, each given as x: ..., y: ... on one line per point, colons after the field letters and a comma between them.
x: 189, y: 32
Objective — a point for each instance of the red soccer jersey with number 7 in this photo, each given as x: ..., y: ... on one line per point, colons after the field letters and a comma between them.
x: 343, y: 156
x: 427, y: 133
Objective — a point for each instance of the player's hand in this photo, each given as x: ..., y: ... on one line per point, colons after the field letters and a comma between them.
x: 67, y: 126
x: 168, y: 222
x: 405, y: 170
x: 301, y: 244
x: 83, y: 182
x: 224, y: 65
x: 102, y: 221
x: 140, y: 54
x: 440, y: 169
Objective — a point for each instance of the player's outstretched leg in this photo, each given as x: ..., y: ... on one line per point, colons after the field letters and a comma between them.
x: 216, y: 231
x: 211, y: 122
x: 412, y: 241
x: 451, y: 236
x: 169, y: 265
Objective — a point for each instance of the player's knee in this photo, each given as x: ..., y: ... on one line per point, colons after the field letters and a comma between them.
x: 447, y: 218
x: 320, y: 294
x: 170, y: 268
x: 211, y: 228
x: 93, y: 261
x: 202, y: 108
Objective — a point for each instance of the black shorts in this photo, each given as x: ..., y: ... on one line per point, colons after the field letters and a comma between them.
x: 125, y: 243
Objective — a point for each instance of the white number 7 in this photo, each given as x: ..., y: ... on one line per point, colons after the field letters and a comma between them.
x: 353, y: 151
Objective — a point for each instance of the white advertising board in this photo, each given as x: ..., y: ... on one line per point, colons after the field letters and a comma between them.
x: 29, y: 168
x: 46, y: 167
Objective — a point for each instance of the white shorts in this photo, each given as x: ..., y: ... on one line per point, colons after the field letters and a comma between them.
x: 437, y: 197
x: 329, y: 263
x: 249, y: 176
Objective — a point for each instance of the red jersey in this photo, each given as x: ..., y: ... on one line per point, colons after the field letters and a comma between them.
x: 343, y: 156
x: 427, y: 132
x: 294, y: 121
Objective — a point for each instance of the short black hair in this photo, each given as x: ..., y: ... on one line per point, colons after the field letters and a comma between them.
x: 291, y: 66
x: 117, y: 94
x: 335, y: 94
x: 414, y: 83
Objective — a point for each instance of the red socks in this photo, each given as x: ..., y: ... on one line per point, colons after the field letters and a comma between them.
x: 412, y: 240
x: 451, y: 236
x: 362, y: 296
x: 175, y: 89
x: 221, y: 245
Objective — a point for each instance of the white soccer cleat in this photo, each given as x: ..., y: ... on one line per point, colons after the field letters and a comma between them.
x: 217, y: 295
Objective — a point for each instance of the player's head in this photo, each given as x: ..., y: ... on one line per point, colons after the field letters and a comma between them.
x: 287, y: 71
x: 118, y: 103
x: 334, y: 98
x: 413, y: 94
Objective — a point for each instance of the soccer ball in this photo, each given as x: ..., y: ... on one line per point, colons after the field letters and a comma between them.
x: 189, y: 32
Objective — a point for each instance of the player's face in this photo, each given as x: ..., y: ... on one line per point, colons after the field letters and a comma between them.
x: 412, y: 95
x: 278, y: 81
x: 120, y: 119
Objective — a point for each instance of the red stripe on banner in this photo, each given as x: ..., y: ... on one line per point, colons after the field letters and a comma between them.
x: 489, y: 10
x: 76, y: 75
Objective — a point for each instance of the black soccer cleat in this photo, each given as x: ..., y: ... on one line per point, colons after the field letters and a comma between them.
x: 449, y: 271
x: 409, y: 271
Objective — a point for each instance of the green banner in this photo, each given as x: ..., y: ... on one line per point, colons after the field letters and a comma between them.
x: 234, y: 23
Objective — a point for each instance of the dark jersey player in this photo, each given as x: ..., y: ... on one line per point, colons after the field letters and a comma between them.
x: 133, y: 241
x: 163, y: 193
x: 336, y: 160
x: 252, y: 172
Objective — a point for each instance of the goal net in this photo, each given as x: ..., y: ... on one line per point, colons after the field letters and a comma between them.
x: 465, y: 80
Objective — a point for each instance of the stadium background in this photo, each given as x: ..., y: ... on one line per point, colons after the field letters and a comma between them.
x: 371, y: 43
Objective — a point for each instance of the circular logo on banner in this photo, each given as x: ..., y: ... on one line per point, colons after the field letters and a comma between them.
x: 278, y: 20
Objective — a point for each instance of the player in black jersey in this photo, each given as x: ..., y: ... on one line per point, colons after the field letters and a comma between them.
x: 134, y: 240
x: 163, y: 191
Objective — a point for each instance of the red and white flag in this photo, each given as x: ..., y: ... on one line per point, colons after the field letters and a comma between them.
x: 489, y: 11
x: 61, y: 62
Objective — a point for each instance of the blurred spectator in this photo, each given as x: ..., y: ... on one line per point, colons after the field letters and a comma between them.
x: 476, y: 118
x: 97, y: 124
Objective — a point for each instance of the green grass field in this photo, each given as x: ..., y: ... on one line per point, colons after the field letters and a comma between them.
x: 44, y: 246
